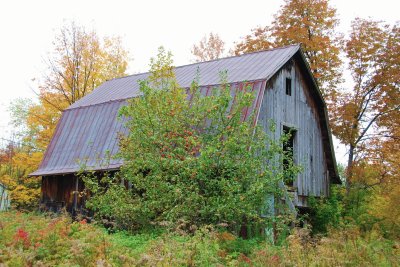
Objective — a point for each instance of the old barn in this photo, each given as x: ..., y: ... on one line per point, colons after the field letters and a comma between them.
x: 286, y: 92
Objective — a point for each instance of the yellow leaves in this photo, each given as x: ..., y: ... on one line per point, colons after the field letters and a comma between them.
x: 162, y: 70
x: 41, y: 122
x: 386, y: 207
x: 25, y: 193
x: 25, y: 197
x: 8, y: 181
x: 80, y: 61
x: 24, y: 190
x: 112, y: 59
x: 30, y: 162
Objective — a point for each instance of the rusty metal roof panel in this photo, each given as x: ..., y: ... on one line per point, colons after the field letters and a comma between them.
x: 249, y: 67
x: 85, y: 137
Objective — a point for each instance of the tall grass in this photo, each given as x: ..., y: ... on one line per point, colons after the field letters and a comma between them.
x: 39, y: 240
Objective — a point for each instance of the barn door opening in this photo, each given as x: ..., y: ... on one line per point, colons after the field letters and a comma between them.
x: 289, y: 159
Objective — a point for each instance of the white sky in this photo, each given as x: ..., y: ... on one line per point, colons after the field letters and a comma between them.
x: 27, y: 29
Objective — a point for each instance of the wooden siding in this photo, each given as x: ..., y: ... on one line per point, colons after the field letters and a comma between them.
x: 297, y: 111
x: 58, y: 192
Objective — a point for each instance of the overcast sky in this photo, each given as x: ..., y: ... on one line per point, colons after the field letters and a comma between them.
x: 28, y: 27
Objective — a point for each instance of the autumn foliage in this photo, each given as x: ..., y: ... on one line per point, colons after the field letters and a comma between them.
x: 364, y: 116
x: 29, y: 239
x: 366, y: 119
x: 79, y: 62
x: 209, y: 48
x: 259, y: 39
x: 311, y: 24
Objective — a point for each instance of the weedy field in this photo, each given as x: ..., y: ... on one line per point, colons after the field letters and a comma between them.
x: 28, y: 239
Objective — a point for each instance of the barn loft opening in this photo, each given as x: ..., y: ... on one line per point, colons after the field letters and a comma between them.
x: 288, y: 149
x: 289, y: 86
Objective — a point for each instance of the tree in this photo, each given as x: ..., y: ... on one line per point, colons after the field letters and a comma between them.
x: 79, y: 62
x: 313, y: 24
x: 189, y: 161
x: 21, y: 159
x: 366, y: 117
x: 208, y: 48
x: 259, y: 39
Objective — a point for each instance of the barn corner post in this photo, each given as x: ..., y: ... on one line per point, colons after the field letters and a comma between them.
x: 46, y: 188
x: 41, y: 200
x: 75, y: 201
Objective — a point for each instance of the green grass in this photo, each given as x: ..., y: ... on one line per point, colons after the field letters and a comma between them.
x: 28, y: 239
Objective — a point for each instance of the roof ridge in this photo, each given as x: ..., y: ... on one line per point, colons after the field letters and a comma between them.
x: 91, y: 105
x: 127, y: 98
x: 218, y: 59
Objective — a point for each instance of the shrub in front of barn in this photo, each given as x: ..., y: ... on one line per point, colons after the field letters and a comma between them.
x: 190, y: 160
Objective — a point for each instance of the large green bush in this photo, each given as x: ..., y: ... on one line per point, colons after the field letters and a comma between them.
x: 190, y: 162
x: 326, y: 212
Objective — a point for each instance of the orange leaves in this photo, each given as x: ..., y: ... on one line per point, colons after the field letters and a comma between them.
x: 259, y: 39
x: 209, y: 48
x: 366, y: 118
x: 313, y: 24
x: 310, y: 23
x: 356, y: 111
x: 184, y: 139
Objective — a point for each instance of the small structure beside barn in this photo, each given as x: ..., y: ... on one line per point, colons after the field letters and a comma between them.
x: 285, y: 92
x: 4, y: 198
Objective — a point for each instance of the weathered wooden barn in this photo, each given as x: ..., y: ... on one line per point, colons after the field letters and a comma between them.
x: 286, y: 92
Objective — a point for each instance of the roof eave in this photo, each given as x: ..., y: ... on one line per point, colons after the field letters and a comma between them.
x: 60, y: 172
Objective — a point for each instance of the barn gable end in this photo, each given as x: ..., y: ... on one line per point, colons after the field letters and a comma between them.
x: 288, y: 103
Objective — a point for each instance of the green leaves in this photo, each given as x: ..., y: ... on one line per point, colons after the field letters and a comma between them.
x: 195, y: 158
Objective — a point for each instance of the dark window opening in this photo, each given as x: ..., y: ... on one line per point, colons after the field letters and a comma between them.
x: 289, y: 86
x: 288, y: 159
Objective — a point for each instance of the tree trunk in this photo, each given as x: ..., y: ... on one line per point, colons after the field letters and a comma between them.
x: 350, y: 168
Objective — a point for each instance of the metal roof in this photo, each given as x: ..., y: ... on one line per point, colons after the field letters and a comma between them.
x: 248, y: 67
x: 85, y: 137
x: 88, y: 130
